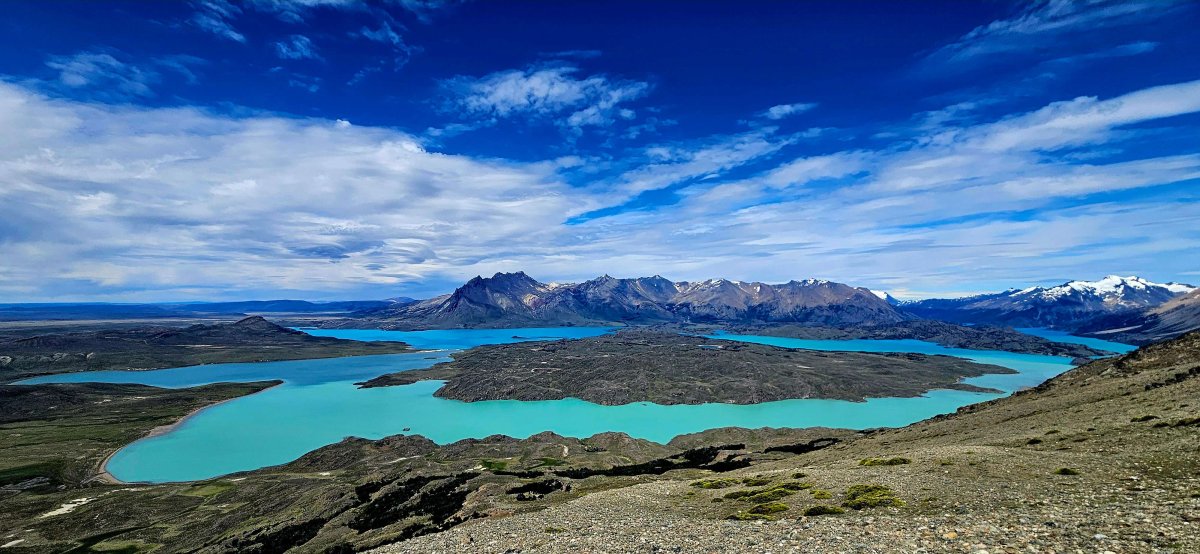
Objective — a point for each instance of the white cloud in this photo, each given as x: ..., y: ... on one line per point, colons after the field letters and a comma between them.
x: 112, y: 198
x: 136, y: 203
x: 102, y: 70
x: 787, y: 110
x: 1043, y: 22
x: 215, y: 16
x: 387, y: 33
x: 1087, y: 120
x: 555, y: 92
x: 297, y: 47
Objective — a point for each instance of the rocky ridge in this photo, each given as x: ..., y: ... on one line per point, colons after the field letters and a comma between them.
x: 516, y: 300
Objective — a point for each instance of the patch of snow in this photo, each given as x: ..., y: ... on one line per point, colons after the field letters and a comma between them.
x: 68, y: 507
x: 1179, y: 288
x: 11, y: 544
x: 1110, y: 287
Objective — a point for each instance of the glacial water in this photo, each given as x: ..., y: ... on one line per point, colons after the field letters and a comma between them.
x: 318, y: 404
x: 1062, y: 336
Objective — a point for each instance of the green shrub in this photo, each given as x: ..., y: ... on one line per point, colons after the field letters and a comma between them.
x: 715, y: 483
x: 1143, y: 418
x: 897, y: 461
x: 1065, y: 471
x: 823, y: 510
x: 1034, y: 441
x: 799, y: 475
x: 756, y: 481
x: 769, y: 508
x: 494, y: 465
x: 871, y: 496
x: 821, y: 494
x: 769, y: 494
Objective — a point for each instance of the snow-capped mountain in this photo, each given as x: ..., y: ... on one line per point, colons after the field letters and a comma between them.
x: 1062, y: 306
x: 887, y: 297
x: 1125, y: 292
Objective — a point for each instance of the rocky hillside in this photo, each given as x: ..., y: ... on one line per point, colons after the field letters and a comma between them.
x: 515, y: 299
x: 1064, y: 306
x: 1174, y: 317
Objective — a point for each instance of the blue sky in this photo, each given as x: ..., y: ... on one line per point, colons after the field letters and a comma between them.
x: 331, y: 149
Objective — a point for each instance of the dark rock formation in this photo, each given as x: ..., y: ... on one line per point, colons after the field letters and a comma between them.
x: 667, y: 368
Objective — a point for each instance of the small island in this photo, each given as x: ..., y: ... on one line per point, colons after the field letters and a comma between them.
x: 639, y: 365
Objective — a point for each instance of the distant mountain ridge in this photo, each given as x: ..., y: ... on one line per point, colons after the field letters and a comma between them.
x: 1172, y: 318
x: 96, y: 310
x: 516, y: 299
x: 1064, y: 306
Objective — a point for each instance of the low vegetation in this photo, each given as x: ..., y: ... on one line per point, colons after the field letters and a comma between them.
x: 823, y: 510
x: 884, y: 461
x: 860, y: 497
x: 768, y: 494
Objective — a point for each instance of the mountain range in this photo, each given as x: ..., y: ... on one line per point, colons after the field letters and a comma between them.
x: 516, y: 299
x: 1130, y: 309
x: 1067, y: 306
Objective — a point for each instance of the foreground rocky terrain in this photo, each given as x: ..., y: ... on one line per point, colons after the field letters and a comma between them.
x: 638, y: 365
x: 251, y: 339
x: 1105, y: 458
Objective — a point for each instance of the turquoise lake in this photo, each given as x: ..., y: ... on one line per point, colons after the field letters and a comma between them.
x: 1060, y: 336
x: 318, y: 404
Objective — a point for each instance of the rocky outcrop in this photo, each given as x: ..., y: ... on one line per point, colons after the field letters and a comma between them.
x: 666, y: 368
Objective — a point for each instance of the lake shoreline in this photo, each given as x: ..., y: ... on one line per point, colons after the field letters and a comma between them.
x: 107, y: 476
